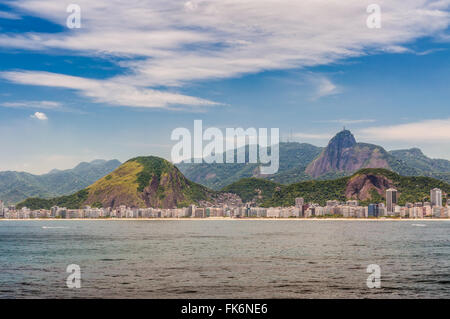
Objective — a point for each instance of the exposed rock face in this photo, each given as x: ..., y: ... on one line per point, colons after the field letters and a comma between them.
x: 360, y: 186
x: 343, y: 154
x: 165, y: 191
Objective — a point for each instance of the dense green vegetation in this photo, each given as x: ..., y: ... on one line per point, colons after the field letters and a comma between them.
x: 441, y: 176
x: 411, y: 189
x: 152, y: 166
x: 155, y: 166
x: 290, y: 176
x: 256, y: 189
x: 74, y: 201
x: 312, y: 191
x: 417, y: 188
x: 415, y: 158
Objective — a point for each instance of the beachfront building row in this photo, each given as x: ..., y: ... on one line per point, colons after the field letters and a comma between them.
x: 333, y: 208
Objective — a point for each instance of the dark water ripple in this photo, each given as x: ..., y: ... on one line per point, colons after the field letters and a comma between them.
x: 224, y: 259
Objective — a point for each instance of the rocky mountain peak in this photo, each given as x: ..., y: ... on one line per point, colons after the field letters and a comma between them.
x: 344, y: 155
x: 343, y: 139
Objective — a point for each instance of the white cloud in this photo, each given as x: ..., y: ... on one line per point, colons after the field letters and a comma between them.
x: 425, y: 131
x: 110, y: 92
x: 323, y: 86
x: 178, y: 42
x: 40, y: 116
x: 326, y: 87
x: 50, y: 105
x: 190, y: 6
x: 9, y: 15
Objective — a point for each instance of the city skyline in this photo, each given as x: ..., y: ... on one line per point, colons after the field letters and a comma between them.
x: 117, y: 87
x: 333, y: 209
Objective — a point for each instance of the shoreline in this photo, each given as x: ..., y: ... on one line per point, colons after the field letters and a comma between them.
x: 227, y: 219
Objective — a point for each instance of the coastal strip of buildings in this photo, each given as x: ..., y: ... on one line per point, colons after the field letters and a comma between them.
x: 333, y: 208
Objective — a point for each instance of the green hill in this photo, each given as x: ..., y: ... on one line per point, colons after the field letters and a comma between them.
x: 253, y: 189
x: 140, y: 182
x: 366, y: 185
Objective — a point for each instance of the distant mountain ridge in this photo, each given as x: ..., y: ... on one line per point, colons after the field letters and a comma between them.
x: 17, y: 186
x: 154, y: 182
x: 294, y: 157
x: 342, y: 157
x: 298, y: 162
x: 414, y: 157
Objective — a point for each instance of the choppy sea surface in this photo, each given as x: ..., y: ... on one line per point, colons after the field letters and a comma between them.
x: 224, y: 259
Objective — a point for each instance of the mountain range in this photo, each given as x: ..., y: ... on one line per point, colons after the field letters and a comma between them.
x: 294, y: 157
x: 17, y: 186
x: 344, y: 169
x: 343, y: 156
x: 155, y: 182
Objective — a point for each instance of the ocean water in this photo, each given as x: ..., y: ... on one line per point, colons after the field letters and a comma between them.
x: 225, y: 259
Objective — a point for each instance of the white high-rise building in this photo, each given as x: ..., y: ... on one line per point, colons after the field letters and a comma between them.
x: 299, y: 202
x: 391, y: 200
x: 436, y: 197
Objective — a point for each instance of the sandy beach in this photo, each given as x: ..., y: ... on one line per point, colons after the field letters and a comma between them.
x: 232, y: 219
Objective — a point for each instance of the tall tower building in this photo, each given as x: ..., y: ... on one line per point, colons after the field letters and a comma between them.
x: 436, y: 197
x: 372, y: 210
x: 391, y: 199
x: 299, y: 202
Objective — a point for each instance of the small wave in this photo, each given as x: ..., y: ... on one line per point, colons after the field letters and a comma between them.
x: 53, y: 227
x: 418, y: 225
x: 112, y: 259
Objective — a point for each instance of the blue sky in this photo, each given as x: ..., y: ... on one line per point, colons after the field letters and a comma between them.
x: 119, y: 85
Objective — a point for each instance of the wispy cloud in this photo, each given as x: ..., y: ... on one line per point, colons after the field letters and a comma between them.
x: 314, y: 136
x: 425, y: 131
x: 180, y: 42
x: 323, y: 87
x: 347, y: 121
x: 110, y: 92
x: 430, y: 51
x: 53, y: 106
x: 50, y: 105
x: 9, y: 15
